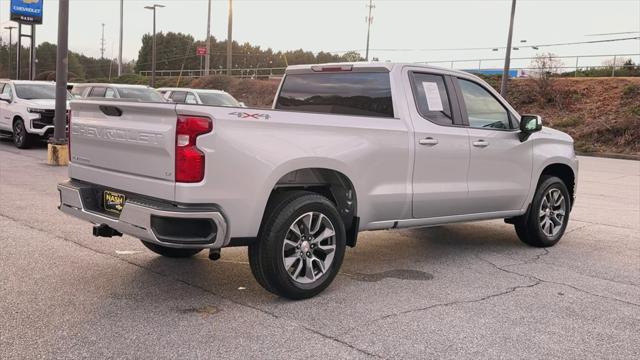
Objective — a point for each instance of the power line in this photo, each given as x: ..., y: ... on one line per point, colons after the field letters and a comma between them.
x: 497, y: 47
x: 615, y: 33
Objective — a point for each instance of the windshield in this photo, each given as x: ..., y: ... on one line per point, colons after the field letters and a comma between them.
x: 147, y: 95
x: 36, y: 91
x: 217, y: 99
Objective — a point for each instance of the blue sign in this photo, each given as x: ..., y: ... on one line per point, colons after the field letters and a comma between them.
x: 27, y: 11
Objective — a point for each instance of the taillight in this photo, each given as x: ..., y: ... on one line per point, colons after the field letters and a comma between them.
x: 189, y: 159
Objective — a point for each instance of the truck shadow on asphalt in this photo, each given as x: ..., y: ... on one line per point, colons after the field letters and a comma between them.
x: 415, y: 253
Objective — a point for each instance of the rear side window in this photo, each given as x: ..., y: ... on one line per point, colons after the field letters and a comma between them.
x: 190, y: 99
x: 98, y: 92
x: 432, y: 100
x: 362, y: 94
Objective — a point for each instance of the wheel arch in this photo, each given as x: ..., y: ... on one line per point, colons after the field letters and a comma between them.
x: 330, y: 183
x: 565, y: 173
x: 17, y: 117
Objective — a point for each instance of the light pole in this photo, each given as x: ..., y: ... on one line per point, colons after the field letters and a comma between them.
x: 507, y: 59
x: 207, y: 59
x: 230, y: 38
x: 10, y: 28
x: 57, y: 147
x: 121, y: 34
x: 153, y: 50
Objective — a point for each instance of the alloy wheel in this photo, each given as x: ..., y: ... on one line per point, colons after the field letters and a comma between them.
x: 309, y: 247
x: 552, y: 212
x: 18, y: 133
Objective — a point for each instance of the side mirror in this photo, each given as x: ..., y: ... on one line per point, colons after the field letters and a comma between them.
x: 241, y: 104
x: 5, y: 97
x: 528, y: 125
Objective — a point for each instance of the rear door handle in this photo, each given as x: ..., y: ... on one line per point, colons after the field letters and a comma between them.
x: 428, y: 141
x: 481, y: 143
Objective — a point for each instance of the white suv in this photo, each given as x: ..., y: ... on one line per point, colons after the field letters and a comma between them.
x: 27, y: 110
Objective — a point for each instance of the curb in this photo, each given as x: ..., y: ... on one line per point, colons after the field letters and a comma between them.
x: 610, y: 155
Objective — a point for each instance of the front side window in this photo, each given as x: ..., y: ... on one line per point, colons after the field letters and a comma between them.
x: 347, y: 93
x: 432, y: 100
x: 77, y: 90
x: 178, y: 97
x: 483, y: 109
x: 7, y: 91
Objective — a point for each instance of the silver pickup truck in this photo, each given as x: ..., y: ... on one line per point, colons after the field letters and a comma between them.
x: 346, y: 148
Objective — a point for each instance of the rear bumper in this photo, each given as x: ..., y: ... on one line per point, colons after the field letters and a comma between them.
x: 148, y: 220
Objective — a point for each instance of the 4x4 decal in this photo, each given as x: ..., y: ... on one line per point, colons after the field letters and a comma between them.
x: 246, y: 115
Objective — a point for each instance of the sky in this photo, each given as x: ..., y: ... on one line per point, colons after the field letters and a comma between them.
x: 402, y: 30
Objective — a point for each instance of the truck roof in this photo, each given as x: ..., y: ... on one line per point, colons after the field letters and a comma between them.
x: 368, y: 66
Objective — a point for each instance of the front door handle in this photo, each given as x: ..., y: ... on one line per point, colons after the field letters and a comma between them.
x: 428, y: 141
x: 481, y: 143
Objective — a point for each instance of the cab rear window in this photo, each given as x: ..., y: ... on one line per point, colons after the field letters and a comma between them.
x: 358, y: 93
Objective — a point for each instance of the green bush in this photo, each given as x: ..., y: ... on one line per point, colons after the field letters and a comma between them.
x: 630, y: 91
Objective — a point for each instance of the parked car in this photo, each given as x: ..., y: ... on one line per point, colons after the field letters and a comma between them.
x: 200, y: 96
x: 117, y: 91
x: 347, y: 148
x: 27, y: 110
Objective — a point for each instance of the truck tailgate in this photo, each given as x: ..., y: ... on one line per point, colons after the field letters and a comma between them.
x: 124, y: 145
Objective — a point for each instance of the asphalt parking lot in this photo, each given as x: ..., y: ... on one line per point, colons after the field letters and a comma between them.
x: 459, y: 291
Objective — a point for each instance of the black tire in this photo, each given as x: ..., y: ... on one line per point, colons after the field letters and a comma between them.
x: 528, y: 226
x: 170, y: 252
x: 21, y: 138
x: 266, y: 255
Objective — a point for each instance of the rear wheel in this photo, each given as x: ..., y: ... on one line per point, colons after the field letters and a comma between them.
x: 300, y: 246
x: 170, y: 252
x: 21, y: 138
x: 545, y: 222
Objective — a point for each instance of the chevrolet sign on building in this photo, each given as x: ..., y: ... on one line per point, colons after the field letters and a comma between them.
x: 27, y: 12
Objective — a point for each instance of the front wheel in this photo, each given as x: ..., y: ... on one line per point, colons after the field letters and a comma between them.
x: 300, y: 246
x: 170, y: 252
x: 545, y: 222
x: 21, y: 138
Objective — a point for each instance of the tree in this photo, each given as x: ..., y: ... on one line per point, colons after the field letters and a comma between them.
x: 546, y: 67
x: 352, y: 56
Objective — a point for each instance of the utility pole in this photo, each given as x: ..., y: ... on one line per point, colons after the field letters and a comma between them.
x: 207, y: 59
x: 10, y: 28
x: 230, y: 38
x: 507, y: 59
x: 153, y: 50
x: 57, y: 151
x: 120, y: 43
x: 102, y: 43
x: 32, y: 54
x: 369, y: 21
